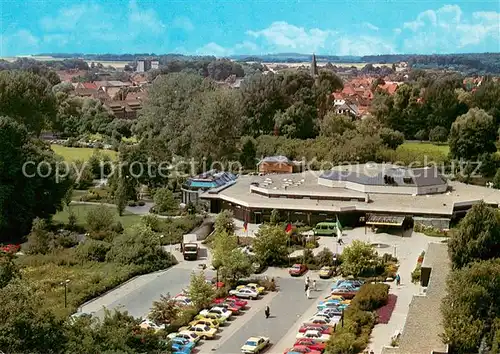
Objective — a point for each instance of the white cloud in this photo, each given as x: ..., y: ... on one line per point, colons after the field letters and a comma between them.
x: 281, y: 36
x: 184, y: 23
x: 141, y: 19
x: 213, y: 48
x: 448, y: 30
x: 22, y: 42
x: 363, y: 45
x: 370, y: 26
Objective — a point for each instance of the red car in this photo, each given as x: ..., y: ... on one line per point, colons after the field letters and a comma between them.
x: 297, y: 270
x: 311, y: 344
x: 10, y: 248
x: 231, y: 306
x: 233, y: 299
x: 301, y: 349
x: 316, y: 327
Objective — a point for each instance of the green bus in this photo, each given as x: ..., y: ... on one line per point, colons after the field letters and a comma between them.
x: 325, y: 229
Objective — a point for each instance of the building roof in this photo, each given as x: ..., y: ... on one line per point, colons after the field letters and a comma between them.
x: 377, y: 175
x: 423, y: 326
x: 89, y: 85
x: 276, y: 159
x: 211, y: 179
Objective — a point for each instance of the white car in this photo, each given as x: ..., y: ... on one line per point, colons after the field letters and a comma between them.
x: 314, y: 335
x: 222, y: 311
x: 147, y: 324
x: 322, y: 320
x: 255, y: 344
x: 182, y: 300
x: 190, y: 336
x: 245, y: 293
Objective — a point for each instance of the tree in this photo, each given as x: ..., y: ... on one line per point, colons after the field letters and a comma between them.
x: 325, y: 257
x: 231, y: 263
x: 472, y: 134
x: 39, y: 238
x: 270, y: 245
x: 421, y: 135
x: 200, y: 291
x: 471, y: 305
x: 334, y: 125
x: 275, y: 217
x: 391, y: 138
x: 100, y: 218
x: 8, y: 269
x: 496, y: 179
x: 248, y: 153
x: 27, y: 98
x: 165, y: 201
x: 224, y: 222
x: 438, y: 134
x: 121, y: 196
x: 26, y: 193
x: 477, y: 236
x: 164, y: 311
x: 140, y: 246
x: 358, y: 259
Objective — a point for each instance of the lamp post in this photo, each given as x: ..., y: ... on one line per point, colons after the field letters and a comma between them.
x: 65, y: 283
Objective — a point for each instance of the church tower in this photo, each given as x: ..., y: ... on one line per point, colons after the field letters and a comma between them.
x: 314, y: 67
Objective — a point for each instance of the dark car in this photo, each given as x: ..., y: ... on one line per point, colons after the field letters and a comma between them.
x: 297, y: 270
x: 311, y: 344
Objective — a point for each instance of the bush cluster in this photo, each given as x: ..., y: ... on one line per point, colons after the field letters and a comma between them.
x: 371, y: 296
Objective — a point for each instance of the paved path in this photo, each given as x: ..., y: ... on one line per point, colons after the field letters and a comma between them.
x: 287, y: 307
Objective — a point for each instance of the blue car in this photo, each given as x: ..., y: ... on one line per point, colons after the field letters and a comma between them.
x: 182, y: 346
x: 331, y: 304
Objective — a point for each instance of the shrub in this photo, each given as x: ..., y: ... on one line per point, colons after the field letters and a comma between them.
x: 117, y: 227
x: 93, y: 250
x: 371, y: 296
x: 343, y: 343
x: 63, y: 240
x: 325, y: 257
x: 416, y: 274
x: 141, y: 203
x: 132, y: 203
x: 100, y: 218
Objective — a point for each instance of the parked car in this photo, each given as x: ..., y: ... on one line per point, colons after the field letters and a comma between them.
x: 238, y: 302
x: 245, y: 293
x: 212, y: 316
x: 352, y: 282
x: 10, y: 248
x: 322, y: 320
x: 345, y: 293
x: 203, y: 331
x: 330, y: 312
x: 331, y: 304
x: 318, y: 327
x: 193, y: 337
x: 255, y: 344
x: 297, y: 270
x: 326, y: 272
x: 311, y: 344
x: 314, y: 334
x: 147, y: 324
x: 219, y: 311
x: 182, y: 300
x: 338, y: 298
x: 301, y: 349
x: 253, y: 286
x: 181, y: 346
x: 210, y: 322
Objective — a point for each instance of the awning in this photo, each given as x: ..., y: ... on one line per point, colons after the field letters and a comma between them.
x: 384, y: 220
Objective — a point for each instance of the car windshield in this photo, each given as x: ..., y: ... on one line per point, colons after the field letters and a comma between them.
x: 251, y: 343
x: 296, y: 266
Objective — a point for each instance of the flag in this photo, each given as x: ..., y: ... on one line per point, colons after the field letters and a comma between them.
x: 245, y: 227
x: 339, y: 227
x: 288, y: 228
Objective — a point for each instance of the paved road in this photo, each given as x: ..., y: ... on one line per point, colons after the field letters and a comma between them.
x: 287, y: 306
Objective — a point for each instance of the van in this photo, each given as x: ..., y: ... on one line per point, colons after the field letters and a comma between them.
x: 325, y: 229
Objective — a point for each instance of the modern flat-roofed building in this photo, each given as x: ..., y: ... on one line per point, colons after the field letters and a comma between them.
x: 211, y: 180
x: 381, y: 194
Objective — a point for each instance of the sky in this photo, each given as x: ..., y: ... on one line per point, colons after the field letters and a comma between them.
x: 229, y: 27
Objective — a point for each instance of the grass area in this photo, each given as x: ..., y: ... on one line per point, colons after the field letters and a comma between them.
x: 73, y: 153
x: 45, y: 273
x: 127, y: 219
x: 412, y: 152
x: 77, y: 194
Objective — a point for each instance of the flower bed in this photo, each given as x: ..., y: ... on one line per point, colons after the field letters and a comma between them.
x: 385, y: 312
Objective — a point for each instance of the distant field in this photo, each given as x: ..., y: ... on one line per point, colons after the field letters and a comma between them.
x: 115, y: 64
x: 413, y: 152
x: 295, y: 65
x: 83, y: 154
x: 81, y: 210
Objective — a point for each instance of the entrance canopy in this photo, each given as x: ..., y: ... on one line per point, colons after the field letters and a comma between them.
x: 384, y: 220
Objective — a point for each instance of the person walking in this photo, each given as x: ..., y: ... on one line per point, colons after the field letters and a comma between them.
x: 308, y: 293
x: 398, y: 279
x: 314, y: 285
x: 267, y: 311
x: 306, y: 286
x: 340, y: 241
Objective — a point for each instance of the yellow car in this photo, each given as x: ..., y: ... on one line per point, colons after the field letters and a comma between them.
x: 325, y: 272
x: 338, y: 297
x: 211, y: 316
x: 210, y: 322
x: 253, y: 286
x: 203, y: 331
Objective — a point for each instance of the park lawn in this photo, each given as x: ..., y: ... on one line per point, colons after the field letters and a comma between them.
x: 81, y: 210
x: 83, y: 154
x: 417, y: 153
x: 45, y: 273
